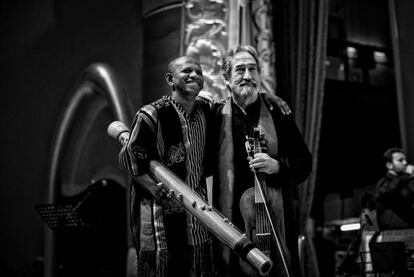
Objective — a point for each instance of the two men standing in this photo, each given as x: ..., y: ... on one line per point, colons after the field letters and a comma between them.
x: 176, y: 131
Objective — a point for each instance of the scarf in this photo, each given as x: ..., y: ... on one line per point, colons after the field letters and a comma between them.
x: 223, y: 195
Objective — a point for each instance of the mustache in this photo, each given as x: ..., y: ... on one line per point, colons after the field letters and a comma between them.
x: 247, y: 83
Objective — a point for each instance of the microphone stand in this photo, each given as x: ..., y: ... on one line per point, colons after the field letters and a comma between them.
x: 340, y: 269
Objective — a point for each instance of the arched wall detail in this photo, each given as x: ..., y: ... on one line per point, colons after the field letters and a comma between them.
x: 97, y: 88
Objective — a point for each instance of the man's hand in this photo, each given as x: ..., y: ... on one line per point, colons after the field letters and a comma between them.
x: 409, y: 169
x: 272, y: 100
x: 153, y: 187
x: 262, y: 162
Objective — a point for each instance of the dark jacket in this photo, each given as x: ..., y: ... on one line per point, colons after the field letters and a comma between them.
x: 395, y: 201
x: 296, y: 165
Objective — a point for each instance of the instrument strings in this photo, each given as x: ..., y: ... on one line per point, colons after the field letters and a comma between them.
x: 278, y: 244
x: 264, y: 216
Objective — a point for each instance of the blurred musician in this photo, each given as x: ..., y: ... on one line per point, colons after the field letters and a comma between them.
x: 395, y: 192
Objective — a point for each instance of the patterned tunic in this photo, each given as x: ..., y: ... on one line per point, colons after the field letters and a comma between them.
x: 156, y: 135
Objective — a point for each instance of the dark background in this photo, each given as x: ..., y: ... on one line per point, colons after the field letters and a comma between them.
x: 45, y: 45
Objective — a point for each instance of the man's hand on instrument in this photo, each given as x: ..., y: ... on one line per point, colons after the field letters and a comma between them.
x: 153, y: 187
x: 262, y: 162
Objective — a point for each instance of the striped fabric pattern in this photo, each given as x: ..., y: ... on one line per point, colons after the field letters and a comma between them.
x: 127, y: 158
x: 194, y: 142
x: 194, y: 139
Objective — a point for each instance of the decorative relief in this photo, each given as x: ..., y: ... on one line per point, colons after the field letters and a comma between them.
x: 206, y: 39
x: 262, y: 16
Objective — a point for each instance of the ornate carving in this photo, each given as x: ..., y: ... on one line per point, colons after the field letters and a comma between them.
x: 262, y: 16
x: 206, y: 39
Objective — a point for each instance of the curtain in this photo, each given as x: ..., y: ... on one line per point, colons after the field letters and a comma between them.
x: 300, y: 37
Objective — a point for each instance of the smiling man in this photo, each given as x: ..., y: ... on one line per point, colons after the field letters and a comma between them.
x: 171, y: 130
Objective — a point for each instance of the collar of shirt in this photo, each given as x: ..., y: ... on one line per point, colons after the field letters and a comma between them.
x: 180, y: 108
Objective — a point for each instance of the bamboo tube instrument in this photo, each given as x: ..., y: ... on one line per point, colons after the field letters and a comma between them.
x: 217, y: 224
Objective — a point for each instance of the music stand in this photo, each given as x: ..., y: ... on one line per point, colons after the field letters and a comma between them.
x: 68, y: 216
x: 60, y: 216
x: 388, y: 257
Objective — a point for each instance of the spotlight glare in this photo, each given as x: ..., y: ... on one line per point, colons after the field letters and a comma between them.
x: 380, y: 57
x: 351, y: 52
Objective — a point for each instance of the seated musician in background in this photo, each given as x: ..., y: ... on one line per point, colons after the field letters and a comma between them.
x: 171, y: 130
x: 394, y: 193
x: 286, y: 163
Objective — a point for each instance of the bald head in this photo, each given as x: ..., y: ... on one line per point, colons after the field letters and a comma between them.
x: 172, y: 66
x: 185, y: 76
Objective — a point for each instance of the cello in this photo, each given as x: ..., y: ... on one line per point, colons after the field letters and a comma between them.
x: 257, y: 206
